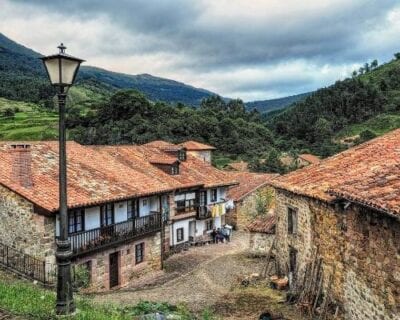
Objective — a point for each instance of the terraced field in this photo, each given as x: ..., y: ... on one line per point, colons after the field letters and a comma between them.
x: 29, y: 122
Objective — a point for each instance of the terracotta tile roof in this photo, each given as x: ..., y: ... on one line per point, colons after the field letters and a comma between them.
x: 309, y: 158
x: 248, y: 183
x: 99, y: 174
x: 192, y: 145
x: 263, y: 225
x: 368, y: 173
x: 159, y: 144
x: 163, y: 160
x: 238, y: 166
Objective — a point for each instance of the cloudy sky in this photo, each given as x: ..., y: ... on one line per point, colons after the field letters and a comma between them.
x: 250, y: 49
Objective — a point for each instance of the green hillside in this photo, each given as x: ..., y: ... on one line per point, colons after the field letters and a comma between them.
x: 26, y: 121
x: 368, y: 104
x: 23, y: 77
x: 267, y: 106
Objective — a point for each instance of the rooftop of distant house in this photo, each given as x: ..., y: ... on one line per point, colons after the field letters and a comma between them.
x: 238, y: 166
x: 99, y: 174
x: 368, y: 174
x: 248, y: 183
x: 192, y: 145
x: 263, y: 224
x: 309, y: 158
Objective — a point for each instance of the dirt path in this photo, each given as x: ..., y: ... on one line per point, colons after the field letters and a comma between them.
x: 204, y: 277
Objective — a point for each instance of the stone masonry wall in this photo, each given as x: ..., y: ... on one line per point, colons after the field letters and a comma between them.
x: 128, y: 269
x: 360, y: 248
x: 23, y: 229
x: 245, y: 210
x: 302, y: 240
x: 261, y: 242
x: 372, y: 279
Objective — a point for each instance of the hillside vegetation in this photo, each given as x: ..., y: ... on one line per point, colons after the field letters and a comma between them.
x: 367, y: 104
x: 128, y: 117
x: 23, y: 77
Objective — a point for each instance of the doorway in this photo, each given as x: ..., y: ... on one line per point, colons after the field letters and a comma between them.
x: 114, y: 269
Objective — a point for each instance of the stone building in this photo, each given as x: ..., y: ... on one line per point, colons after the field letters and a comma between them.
x: 200, y: 150
x: 117, y: 198
x: 241, y: 166
x: 305, y: 159
x: 346, y: 210
x: 252, y: 192
x: 262, y: 234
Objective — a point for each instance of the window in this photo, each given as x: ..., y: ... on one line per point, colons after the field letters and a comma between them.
x: 139, y: 253
x: 292, y: 221
x: 209, y: 225
x: 214, y: 195
x: 133, y: 209
x: 175, y: 169
x: 75, y: 221
x: 182, y: 155
x: 179, y: 235
x: 185, y: 202
x: 107, y: 214
x: 292, y: 259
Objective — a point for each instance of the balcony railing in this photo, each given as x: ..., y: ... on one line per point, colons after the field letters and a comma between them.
x: 94, y: 239
x: 203, y: 213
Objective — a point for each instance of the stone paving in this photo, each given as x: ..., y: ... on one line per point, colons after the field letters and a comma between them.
x: 207, y: 277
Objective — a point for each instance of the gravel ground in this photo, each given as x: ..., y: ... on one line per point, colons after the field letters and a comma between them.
x: 207, y: 277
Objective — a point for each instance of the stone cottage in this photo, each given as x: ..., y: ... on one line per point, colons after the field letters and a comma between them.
x: 262, y: 234
x: 117, y: 197
x: 346, y: 210
x: 249, y: 196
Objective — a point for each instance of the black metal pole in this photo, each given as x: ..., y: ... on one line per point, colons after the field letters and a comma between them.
x: 65, y: 303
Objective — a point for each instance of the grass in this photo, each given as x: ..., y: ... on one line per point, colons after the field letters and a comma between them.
x: 380, y: 124
x: 26, y: 300
x: 30, y: 122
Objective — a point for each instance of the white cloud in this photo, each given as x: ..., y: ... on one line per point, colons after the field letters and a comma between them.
x: 237, y: 48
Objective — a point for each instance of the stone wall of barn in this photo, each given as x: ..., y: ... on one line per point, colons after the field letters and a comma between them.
x: 358, y: 246
x: 25, y: 230
x: 246, y: 210
x: 301, y: 240
x: 261, y: 242
x: 128, y: 269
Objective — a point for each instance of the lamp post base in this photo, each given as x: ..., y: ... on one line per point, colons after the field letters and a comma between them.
x: 65, y: 304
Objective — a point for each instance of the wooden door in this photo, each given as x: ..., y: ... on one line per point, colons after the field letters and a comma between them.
x: 114, y: 269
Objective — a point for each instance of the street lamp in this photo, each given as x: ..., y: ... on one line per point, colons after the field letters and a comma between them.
x: 62, y: 69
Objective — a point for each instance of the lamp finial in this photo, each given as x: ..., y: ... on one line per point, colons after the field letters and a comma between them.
x: 62, y: 48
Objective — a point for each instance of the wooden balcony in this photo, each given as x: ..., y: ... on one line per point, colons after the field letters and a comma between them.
x: 99, y: 238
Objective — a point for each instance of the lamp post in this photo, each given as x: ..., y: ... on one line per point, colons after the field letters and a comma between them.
x: 61, y: 70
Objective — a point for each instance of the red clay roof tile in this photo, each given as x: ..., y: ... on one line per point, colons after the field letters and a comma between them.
x: 368, y: 173
x: 248, y: 183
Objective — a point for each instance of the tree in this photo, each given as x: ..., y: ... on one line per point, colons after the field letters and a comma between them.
x: 397, y: 55
x: 374, y: 64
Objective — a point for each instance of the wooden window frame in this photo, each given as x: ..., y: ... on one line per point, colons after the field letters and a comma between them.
x: 174, y: 169
x: 178, y: 231
x: 132, y: 209
x: 182, y: 155
x: 209, y: 225
x: 73, y: 216
x: 139, y: 248
x: 292, y: 220
x: 104, y: 214
x: 214, y: 195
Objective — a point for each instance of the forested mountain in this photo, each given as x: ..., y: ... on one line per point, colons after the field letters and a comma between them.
x: 128, y: 117
x: 320, y: 121
x: 22, y: 77
x: 266, y: 106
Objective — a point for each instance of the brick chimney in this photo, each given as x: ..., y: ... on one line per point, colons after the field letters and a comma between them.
x: 21, y: 170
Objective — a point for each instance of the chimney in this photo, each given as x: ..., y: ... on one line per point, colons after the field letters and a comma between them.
x: 21, y: 170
